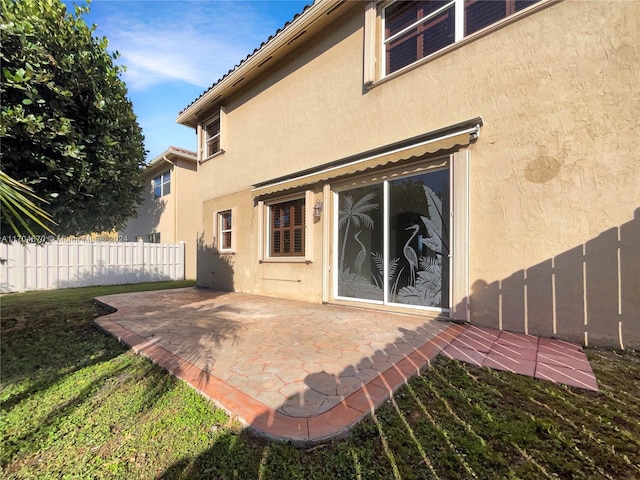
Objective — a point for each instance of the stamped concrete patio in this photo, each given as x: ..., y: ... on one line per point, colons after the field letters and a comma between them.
x: 289, y: 370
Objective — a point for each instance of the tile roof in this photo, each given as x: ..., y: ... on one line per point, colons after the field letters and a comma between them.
x: 263, y: 44
x: 183, y: 150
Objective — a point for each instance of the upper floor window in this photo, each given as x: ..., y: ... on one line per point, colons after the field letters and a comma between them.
x: 415, y: 30
x: 286, y: 228
x: 212, y: 137
x: 162, y: 185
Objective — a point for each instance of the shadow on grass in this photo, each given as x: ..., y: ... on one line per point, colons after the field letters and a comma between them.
x: 235, y: 454
x: 51, y: 349
x: 55, y: 417
x: 457, y: 421
x: 47, y: 348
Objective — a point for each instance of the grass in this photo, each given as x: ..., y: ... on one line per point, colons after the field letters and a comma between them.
x: 77, y: 404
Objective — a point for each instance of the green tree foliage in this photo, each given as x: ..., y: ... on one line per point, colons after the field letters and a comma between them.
x: 68, y: 129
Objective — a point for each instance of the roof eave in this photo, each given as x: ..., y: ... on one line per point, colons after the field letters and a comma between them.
x: 189, y: 116
x: 171, y: 152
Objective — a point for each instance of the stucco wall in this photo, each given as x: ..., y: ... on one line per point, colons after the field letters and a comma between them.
x: 154, y: 215
x: 175, y: 216
x: 554, y: 175
x: 189, y: 207
x: 242, y: 270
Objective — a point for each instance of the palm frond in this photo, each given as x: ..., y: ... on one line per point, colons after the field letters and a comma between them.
x: 378, y: 259
x: 393, y: 266
x: 19, y: 204
x: 363, y: 204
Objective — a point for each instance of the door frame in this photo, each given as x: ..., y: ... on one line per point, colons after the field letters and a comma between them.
x: 458, y: 165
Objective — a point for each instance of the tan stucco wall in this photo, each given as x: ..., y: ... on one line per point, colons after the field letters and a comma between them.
x: 175, y: 216
x: 242, y: 271
x: 555, y: 169
x: 188, y: 217
x: 154, y: 215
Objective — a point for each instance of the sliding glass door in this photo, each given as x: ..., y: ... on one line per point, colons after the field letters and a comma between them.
x: 393, y: 241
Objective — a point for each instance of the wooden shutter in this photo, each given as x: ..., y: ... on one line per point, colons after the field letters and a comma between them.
x: 287, y: 225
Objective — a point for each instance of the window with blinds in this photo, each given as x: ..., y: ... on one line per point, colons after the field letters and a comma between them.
x: 212, y: 137
x: 225, y: 231
x: 286, y: 229
x: 415, y: 30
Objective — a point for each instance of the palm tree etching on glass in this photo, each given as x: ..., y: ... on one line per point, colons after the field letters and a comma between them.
x: 356, y: 213
x: 423, y: 252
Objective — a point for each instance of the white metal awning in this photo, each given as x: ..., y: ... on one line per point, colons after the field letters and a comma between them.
x: 442, y: 140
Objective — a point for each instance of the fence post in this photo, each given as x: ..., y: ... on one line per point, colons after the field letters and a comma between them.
x: 23, y: 267
x: 182, y: 262
x: 141, y: 259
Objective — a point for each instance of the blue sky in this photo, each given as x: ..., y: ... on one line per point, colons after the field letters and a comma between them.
x: 176, y: 49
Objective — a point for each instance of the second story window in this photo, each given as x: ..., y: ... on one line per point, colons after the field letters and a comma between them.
x: 212, y: 137
x: 415, y: 30
x: 162, y: 185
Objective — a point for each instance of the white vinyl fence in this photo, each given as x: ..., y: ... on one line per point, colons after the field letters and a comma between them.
x: 69, y: 264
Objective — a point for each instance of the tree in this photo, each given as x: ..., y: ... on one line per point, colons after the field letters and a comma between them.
x: 68, y: 129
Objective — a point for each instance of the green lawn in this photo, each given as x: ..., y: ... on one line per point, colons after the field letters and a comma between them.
x: 77, y: 404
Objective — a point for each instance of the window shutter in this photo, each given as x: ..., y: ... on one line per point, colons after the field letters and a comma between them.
x: 287, y: 225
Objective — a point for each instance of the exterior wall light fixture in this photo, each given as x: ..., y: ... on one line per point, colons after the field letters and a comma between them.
x: 317, y: 209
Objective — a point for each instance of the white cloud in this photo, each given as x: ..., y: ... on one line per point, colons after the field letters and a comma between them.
x: 191, y: 42
x: 176, y: 49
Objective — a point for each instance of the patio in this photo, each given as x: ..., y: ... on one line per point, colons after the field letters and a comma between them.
x: 306, y: 372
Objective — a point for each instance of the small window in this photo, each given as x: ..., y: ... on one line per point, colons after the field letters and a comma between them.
x: 153, y: 237
x: 415, y: 30
x: 212, y: 137
x: 162, y: 185
x: 286, y: 225
x: 225, y: 231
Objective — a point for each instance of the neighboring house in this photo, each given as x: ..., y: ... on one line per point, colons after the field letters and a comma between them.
x: 472, y: 159
x: 169, y: 211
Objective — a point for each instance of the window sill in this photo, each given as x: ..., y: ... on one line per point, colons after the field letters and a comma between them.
x: 286, y: 260
x: 218, y: 153
x: 454, y: 46
x: 226, y: 252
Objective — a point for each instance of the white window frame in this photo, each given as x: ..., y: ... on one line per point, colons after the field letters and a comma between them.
x: 458, y: 165
x: 162, y: 185
x: 219, y: 117
x: 153, y: 237
x: 220, y: 231
x: 374, y: 9
x: 264, y: 221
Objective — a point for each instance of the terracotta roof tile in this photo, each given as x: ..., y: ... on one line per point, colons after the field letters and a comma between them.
x: 248, y: 57
x: 183, y: 150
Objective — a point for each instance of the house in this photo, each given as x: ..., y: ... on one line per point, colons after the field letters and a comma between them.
x: 470, y: 159
x: 167, y: 213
